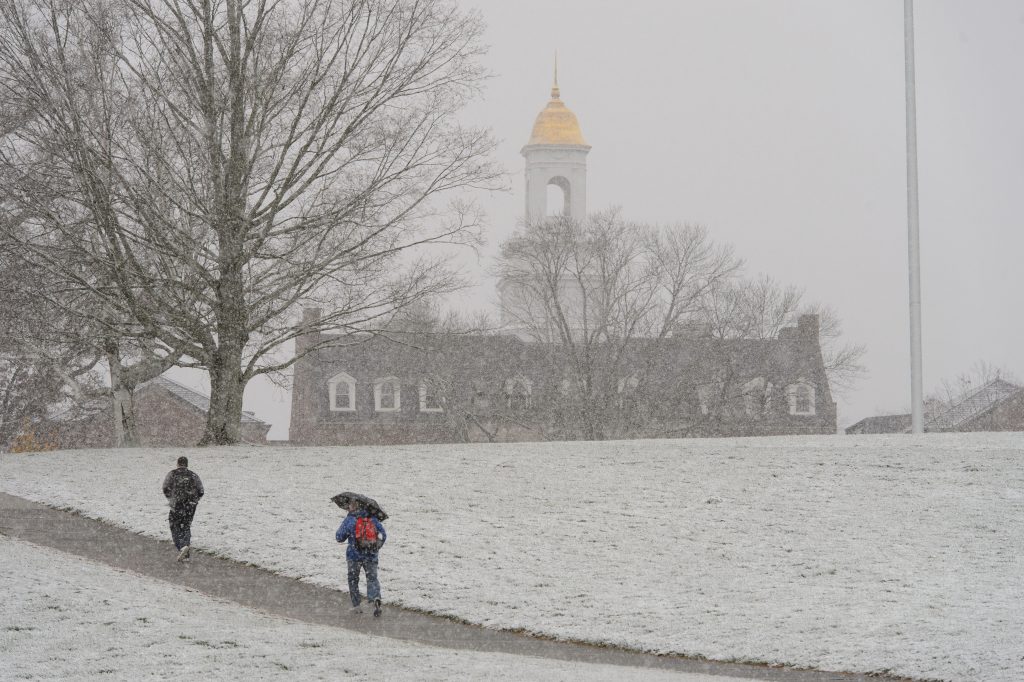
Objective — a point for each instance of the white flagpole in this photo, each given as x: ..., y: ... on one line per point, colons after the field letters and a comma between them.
x: 913, y: 240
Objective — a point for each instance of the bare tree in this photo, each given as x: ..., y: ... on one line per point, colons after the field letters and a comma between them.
x: 599, y: 289
x: 760, y: 308
x: 37, y: 364
x: 66, y: 326
x: 229, y: 162
x: 443, y: 339
x: 954, y: 391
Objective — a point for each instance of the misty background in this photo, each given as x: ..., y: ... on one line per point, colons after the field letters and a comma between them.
x: 780, y: 126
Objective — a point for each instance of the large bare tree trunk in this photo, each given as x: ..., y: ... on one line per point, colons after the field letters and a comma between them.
x: 227, y: 380
x: 224, y: 418
x: 126, y: 433
x: 122, y: 392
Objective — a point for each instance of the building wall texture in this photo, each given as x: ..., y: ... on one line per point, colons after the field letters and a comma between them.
x: 478, y: 378
x: 162, y: 420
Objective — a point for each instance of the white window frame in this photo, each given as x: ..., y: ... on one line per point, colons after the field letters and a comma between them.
x: 792, y: 391
x: 378, y: 385
x: 510, y: 388
x: 627, y: 386
x: 332, y: 390
x: 423, y: 400
x: 706, y: 394
x: 753, y: 393
x: 479, y: 396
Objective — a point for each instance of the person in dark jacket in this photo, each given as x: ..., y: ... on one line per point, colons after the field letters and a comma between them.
x: 361, y: 557
x: 182, y: 488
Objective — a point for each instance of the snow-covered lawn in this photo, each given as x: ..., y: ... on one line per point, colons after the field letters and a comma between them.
x: 895, y: 553
x: 61, y: 621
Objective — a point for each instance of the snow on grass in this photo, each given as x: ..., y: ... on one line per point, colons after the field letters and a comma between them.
x: 61, y: 621
x: 864, y: 554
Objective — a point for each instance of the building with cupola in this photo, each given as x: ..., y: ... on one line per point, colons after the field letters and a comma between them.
x: 509, y: 386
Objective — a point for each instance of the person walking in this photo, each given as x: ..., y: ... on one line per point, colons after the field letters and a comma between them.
x: 182, y: 488
x: 365, y: 535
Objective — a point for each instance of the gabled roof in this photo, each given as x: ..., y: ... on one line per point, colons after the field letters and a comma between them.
x: 974, y: 405
x: 193, y: 398
x: 889, y: 423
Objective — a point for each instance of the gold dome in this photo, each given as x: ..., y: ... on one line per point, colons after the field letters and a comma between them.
x: 556, y: 124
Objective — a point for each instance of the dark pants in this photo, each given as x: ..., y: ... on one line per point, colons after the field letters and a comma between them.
x: 180, y: 519
x: 372, y: 584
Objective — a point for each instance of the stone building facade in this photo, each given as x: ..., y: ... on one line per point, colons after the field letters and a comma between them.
x: 412, y: 389
x: 506, y: 387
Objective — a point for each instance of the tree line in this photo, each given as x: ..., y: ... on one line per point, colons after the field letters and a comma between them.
x: 181, y: 178
x: 607, y: 303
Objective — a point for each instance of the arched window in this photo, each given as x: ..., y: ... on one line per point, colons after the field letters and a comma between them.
x: 479, y: 394
x: 627, y: 391
x: 518, y: 392
x: 387, y: 394
x: 801, y: 398
x: 755, y: 397
x: 709, y: 397
x: 342, y: 390
x: 558, y: 197
x: 430, y: 400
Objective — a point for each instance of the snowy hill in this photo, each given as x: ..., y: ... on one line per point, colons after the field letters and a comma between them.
x: 896, y: 553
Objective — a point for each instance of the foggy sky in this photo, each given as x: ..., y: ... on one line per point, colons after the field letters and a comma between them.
x: 780, y: 126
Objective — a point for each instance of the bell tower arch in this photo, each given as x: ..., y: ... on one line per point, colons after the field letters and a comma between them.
x: 556, y: 155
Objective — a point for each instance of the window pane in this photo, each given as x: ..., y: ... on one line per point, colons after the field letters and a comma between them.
x: 803, y: 399
x: 387, y: 396
x: 430, y: 401
x: 341, y: 395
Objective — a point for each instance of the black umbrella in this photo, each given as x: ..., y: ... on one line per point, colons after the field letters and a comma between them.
x: 369, y: 504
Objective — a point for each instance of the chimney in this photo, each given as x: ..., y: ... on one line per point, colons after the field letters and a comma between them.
x: 307, y: 338
x: 304, y: 377
x: 808, y: 326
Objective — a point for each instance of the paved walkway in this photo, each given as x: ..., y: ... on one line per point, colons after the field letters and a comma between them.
x: 260, y: 589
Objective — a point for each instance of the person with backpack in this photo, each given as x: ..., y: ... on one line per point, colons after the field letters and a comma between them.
x: 182, y: 488
x: 365, y: 535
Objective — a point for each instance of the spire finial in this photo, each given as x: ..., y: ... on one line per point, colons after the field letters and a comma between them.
x: 555, y: 92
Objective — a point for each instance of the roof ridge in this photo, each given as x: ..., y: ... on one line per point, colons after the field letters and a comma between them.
x: 960, y: 412
x: 192, y: 397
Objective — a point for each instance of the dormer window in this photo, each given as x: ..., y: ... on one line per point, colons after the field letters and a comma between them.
x: 518, y: 392
x: 387, y: 395
x: 627, y: 389
x: 801, y: 398
x: 479, y: 394
x: 342, y: 390
x: 709, y: 398
x: 429, y: 399
x: 755, y: 397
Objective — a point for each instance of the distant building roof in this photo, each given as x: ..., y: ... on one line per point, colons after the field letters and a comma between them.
x: 952, y: 418
x: 193, y: 398
x: 68, y: 411
x: 973, y: 406
x: 889, y: 423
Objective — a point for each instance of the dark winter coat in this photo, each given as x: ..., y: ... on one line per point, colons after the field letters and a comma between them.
x: 182, y: 486
x: 347, y: 531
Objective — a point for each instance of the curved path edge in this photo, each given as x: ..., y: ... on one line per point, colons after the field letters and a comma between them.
x: 260, y: 589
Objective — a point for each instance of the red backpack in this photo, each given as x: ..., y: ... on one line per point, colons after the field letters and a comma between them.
x: 366, y: 536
